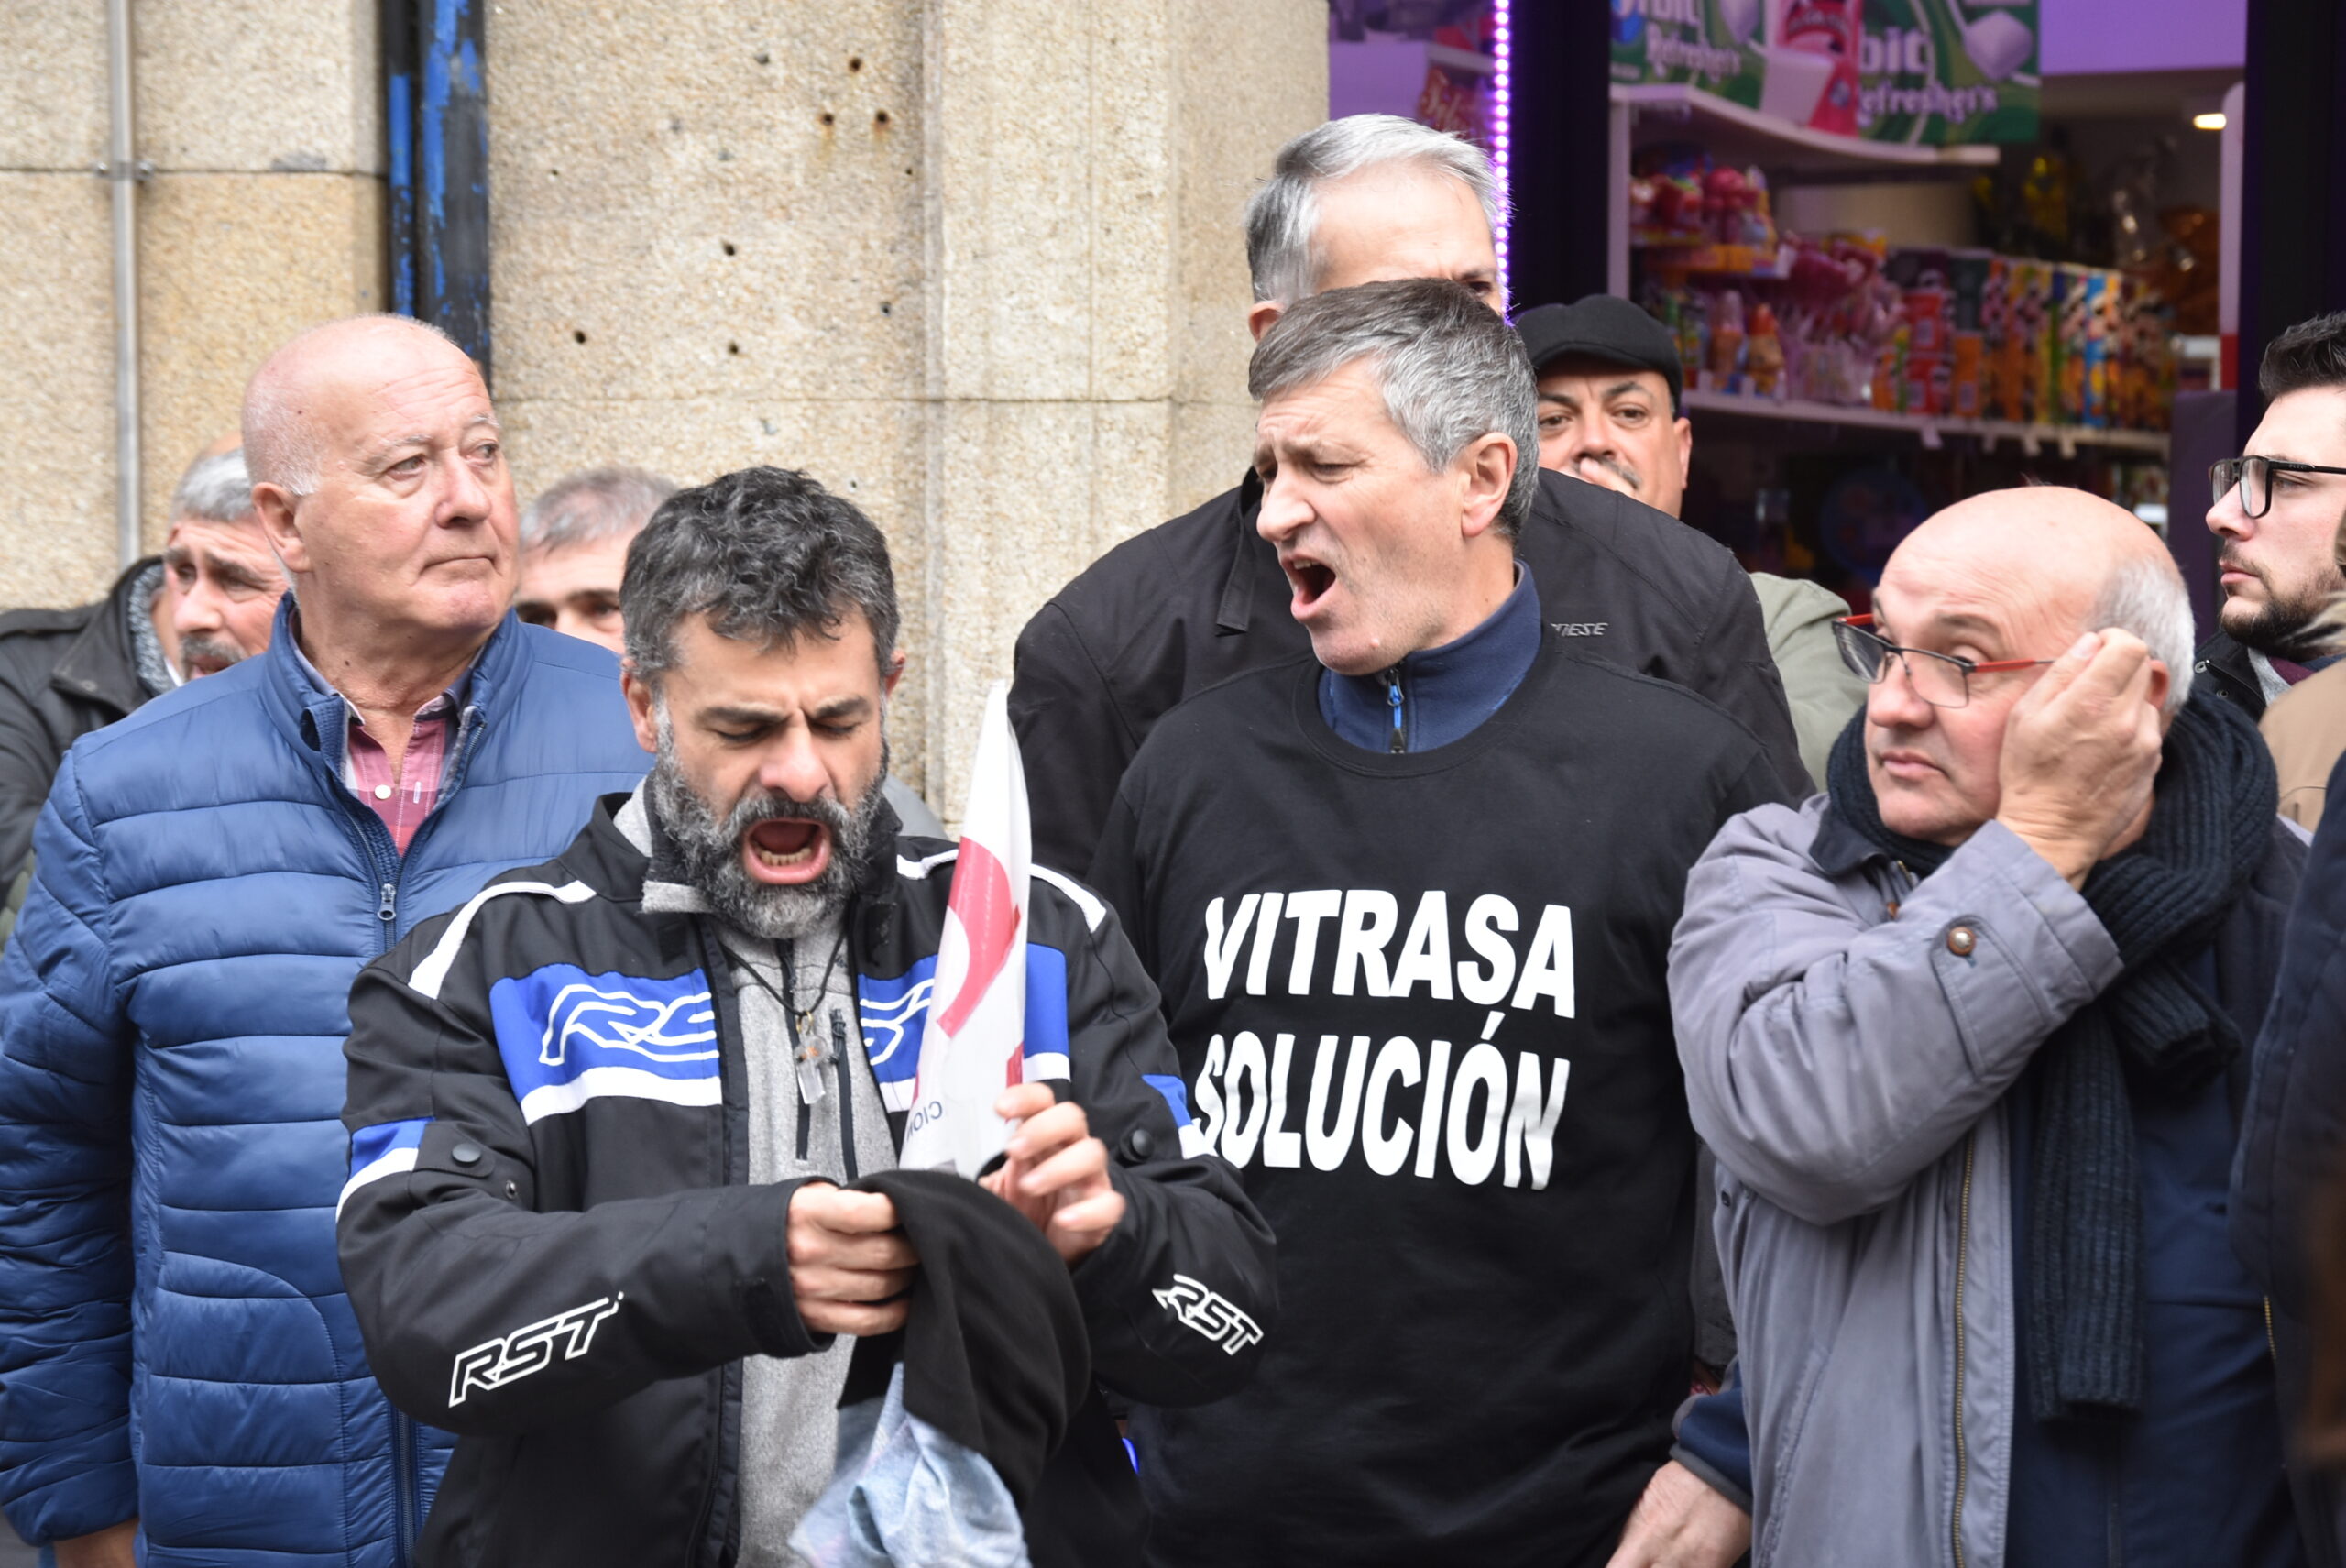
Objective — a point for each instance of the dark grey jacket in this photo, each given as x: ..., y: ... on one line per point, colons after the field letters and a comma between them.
x: 63, y: 673
x: 1848, y: 1065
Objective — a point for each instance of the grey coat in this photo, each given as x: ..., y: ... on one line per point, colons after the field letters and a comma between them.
x: 1845, y: 1063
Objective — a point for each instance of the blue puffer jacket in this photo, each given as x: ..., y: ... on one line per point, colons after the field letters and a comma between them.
x: 175, y: 1342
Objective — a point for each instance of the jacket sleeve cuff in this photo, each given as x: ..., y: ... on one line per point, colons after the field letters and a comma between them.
x: 1714, y: 1443
x: 1108, y: 1274
x: 769, y: 1305
x: 1995, y: 852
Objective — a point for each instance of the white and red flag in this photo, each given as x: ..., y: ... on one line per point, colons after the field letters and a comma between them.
x: 974, y: 1043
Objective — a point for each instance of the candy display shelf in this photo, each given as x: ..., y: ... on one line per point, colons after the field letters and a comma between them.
x: 1739, y: 136
x: 1930, y: 430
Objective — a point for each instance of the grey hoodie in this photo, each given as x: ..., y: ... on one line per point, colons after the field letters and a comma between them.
x: 1845, y: 1048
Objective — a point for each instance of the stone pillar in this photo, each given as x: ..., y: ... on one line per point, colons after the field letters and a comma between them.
x: 262, y: 119
x: 1086, y: 292
x: 974, y: 263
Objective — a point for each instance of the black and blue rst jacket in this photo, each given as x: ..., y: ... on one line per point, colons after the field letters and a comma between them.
x: 549, y: 1235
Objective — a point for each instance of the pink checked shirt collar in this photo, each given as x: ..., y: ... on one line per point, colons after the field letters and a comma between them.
x: 403, y: 797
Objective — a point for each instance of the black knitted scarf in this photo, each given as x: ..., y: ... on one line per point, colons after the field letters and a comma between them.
x: 2153, y: 1028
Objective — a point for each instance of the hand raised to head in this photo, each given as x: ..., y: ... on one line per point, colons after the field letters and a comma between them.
x: 2082, y: 750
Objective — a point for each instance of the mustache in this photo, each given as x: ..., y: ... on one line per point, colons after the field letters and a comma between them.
x: 778, y: 806
x: 2228, y: 562
x: 210, y: 651
x: 1628, y: 475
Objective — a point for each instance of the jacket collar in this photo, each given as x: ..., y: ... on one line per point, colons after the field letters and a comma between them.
x: 1839, y: 849
x: 1448, y: 690
x: 2227, y: 661
x: 1238, y: 607
x: 101, y: 663
x: 315, y: 718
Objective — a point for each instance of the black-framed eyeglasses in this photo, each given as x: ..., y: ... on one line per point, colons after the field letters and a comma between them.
x: 2254, y: 478
x: 1940, y: 679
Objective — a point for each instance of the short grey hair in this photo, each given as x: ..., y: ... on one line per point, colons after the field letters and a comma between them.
x: 768, y: 555
x: 1283, y: 215
x: 215, y: 489
x: 1448, y: 369
x: 281, y: 446
x: 2147, y: 597
x: 591, y: 506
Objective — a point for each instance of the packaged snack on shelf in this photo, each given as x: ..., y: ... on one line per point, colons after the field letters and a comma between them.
x: 1848, y: 321
x: 2032, y: 321
x: 1967, y: 364
x: 1726, y: 344
x: 1890, y: 371
x: 2071, y: 320
x: 2102, y: 345
x: 1763, y: 354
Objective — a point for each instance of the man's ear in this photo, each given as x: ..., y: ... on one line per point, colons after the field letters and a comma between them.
x: 2162, y: 683
x: 1485, y: 474
x: 1261, y: 315
x: 895, y: 672
x: 274, y: 506
x: 642, y: 707
x: 1684, y: 430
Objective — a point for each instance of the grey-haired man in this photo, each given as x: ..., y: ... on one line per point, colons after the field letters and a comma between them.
x: 1408, y: 925
x: 1200, y: 598
x: 205, y: 603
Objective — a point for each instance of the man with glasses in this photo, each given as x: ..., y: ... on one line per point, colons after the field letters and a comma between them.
x: 1966, y: 1035
x: 2276, y: 520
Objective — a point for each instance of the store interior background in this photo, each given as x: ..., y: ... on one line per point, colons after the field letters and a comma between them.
x: 2125, y: 174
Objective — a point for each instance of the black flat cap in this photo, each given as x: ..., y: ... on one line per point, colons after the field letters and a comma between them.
x: 1603, y: 327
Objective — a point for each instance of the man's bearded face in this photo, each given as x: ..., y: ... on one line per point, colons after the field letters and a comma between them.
x: 771, y: 825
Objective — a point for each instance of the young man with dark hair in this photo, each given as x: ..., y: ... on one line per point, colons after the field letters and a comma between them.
x: 1406, y: 899
x: 620, y: 1091
x: 2276, y: 518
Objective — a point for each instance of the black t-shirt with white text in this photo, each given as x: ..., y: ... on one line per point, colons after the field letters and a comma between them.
x: 1420, y: 1002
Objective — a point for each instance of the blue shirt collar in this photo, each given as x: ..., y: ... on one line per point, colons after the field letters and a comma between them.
x: 1446, y: 692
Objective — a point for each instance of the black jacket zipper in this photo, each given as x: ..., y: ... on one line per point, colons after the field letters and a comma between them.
x: 1400, y: 741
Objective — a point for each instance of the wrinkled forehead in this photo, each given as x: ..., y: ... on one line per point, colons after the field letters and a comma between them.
x: 203, y: 536
x: 1345, y: 405
x: 1942, y: 585
x: 401, y: 386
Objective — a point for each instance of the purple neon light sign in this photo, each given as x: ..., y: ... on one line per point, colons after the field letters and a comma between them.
x: 1502, y: 120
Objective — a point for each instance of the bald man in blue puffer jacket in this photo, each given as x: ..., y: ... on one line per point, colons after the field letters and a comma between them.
x: 180, y: 1372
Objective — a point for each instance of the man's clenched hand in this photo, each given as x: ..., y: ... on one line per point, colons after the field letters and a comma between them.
x: 849, y: 1266
x: 1679, y: 1522
x: 1057, y: 1174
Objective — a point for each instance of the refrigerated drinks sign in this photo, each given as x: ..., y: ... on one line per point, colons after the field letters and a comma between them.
x: 1924, y: 71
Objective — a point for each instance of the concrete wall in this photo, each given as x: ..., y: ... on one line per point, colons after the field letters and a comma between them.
x: 263, y: 216
x: 974, y: 263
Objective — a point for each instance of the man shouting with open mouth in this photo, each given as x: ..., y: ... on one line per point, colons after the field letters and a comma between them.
x: 607, y: 1121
